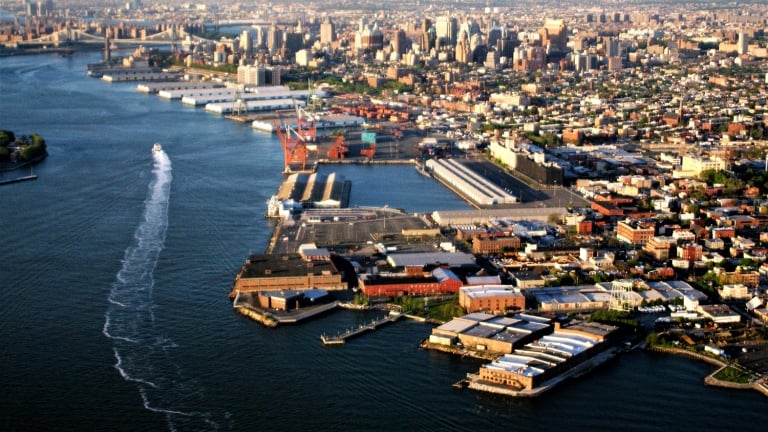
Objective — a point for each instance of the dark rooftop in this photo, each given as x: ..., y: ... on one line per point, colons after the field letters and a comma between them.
x: 283, y: 265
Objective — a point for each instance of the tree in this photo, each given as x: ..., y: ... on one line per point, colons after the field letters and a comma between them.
x: 6, y: 137
x: 34, y: 149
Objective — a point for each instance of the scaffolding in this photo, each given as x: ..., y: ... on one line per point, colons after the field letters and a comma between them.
x: 621, y: 295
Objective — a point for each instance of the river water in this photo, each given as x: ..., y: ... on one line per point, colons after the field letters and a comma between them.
x: 116, y: 263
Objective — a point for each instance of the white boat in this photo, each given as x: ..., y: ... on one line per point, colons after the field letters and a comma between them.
x: 157, y: 148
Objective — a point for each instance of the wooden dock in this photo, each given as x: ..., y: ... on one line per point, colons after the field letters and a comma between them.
x: 341, y: 338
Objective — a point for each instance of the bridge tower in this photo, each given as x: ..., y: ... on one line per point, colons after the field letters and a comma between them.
x: 107, y: 49
x: 173, y: 38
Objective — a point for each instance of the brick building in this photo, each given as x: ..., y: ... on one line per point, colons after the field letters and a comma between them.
x: 491, y: 298
x: 690, y: 251
x: 494, y: 244
x: 635, y: 232
x: 440, y: 281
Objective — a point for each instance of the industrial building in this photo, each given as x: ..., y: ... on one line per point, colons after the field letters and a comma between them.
x: 156, y: 87
x: 292, y: 299
x: 286, y: 272
x: 419, y: 260
x: 468, y: 183
x: 572, y: 298
x: 552, y: 355
x: 439, y: 281
x: 460, y: 217
x: 599, y: 296
x: 719, y: 314
x: 303, y: 190
x: 485, y: 332
x: 242, y: 106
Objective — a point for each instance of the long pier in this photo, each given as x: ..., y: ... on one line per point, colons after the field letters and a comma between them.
x: 18, y: 179
x: 341, y: 339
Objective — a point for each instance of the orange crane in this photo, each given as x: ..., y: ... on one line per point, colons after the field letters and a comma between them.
x: 338, y: 150
x: 294, y: 147
x: 369, y: 152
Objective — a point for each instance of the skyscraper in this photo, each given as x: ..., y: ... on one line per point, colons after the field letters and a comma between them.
x: 742, y: 46
x: 447, y: 29
x: 399, y: 42
x: 274, y: 39
x: 327, y: 31
x: 246, y: 42
x: 555, y: 34
x: 463, y: 52
x: 428, y: 36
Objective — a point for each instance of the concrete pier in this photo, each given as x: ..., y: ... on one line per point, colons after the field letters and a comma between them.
x: 19, y: 179
x: 340, y: 339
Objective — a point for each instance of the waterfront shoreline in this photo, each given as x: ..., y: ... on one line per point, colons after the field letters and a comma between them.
x: 760, y: 386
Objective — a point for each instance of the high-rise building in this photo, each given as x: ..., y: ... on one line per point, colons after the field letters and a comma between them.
x: 274, y: 39
x: 258, y: 75
x: 259, y: 37
x: 463, y: 52
x: 614, y: 63
x: 428, y: 36
x: 742, y: 46
x: 612, y: 47
x: 246, y: 42
x: 292, y: 42
x: 370, y: 39
x: 494, y: 35
x: 399, y: 42
x: 492, y: 60
x: 327, y: 31
x: 447, y: 30
x: 470, y: 27
x: 555, y: 34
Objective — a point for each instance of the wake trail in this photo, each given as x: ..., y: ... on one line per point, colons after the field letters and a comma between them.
x: 142, y: 353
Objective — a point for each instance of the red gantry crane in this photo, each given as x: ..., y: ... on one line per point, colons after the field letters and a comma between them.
x: 338, y: 150
x: 294, y: 147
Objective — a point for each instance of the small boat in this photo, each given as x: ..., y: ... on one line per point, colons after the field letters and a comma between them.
x: 157, y: 148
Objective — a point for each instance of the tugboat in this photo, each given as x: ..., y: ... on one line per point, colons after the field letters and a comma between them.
x: 157, y: 148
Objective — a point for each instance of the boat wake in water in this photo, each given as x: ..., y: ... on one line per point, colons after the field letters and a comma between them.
x: 142, y: 354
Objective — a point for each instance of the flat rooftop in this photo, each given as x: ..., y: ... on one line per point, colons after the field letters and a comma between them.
x: 287, y: 265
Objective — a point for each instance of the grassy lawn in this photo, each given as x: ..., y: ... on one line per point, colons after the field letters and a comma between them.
x: 734, y: 375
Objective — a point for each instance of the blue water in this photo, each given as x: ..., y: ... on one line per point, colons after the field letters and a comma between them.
x: 116, y: 263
